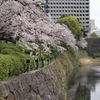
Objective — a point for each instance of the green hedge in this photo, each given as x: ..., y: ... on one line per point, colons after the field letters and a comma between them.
x: 13, y: 60
x: 11, y: 65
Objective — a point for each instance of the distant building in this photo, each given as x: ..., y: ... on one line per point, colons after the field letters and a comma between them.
x: 92, y: 26
x: 97, y: 32
x: 78, y: 8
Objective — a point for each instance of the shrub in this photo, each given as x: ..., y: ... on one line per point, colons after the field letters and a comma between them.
x: 13, y: 60
x: 11, y: 65
x: 96, y: 55
x: 94, y: 35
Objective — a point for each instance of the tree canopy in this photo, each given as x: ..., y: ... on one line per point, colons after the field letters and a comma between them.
x: 73, y: 24
x: 23, y: 21
x: 93, y: 35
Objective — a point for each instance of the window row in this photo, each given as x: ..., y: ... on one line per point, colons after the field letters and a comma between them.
x: 69, y: 7
x: 71, y: 15
x: 87, y: 11
x: 68, y: 0
x: 70, y: 3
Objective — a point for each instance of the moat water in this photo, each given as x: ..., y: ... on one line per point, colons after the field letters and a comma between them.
x: 84, y: 84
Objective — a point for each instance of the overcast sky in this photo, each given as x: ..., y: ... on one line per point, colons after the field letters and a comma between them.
x: 95, y: 11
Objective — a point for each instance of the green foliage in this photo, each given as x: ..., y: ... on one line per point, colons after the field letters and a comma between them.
x: 73, y: 24
x: 54, y: 53
x: 82, y: 53
x: 96, y: 55
x: 13, y: 60
x: 73, y: 56
x: 93, y: 35
x: 6, y: 48
x: 63, y: 15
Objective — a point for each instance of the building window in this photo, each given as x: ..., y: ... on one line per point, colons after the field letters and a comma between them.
x: 87, y: 10
x: 71, y: 10
x: 87, y: 14
x: 87, y: 3
x: 68, y: 10
x: 87, y: 18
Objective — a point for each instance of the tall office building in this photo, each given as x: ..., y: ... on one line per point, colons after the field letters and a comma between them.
x: 78, y: 8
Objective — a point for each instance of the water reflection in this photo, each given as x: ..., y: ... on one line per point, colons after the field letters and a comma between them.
x: 86, y: 86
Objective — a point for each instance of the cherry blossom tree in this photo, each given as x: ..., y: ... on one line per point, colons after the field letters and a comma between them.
x: 82, y: 43
x: 22, y: 20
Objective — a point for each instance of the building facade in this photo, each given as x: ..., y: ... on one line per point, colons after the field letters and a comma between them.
x: 78, y: 8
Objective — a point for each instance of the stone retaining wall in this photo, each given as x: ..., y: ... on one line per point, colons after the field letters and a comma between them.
x: 48, y: 83
x: 93, y: 46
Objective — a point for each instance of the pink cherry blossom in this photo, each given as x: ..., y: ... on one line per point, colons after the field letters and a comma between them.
x: 27, y: 23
